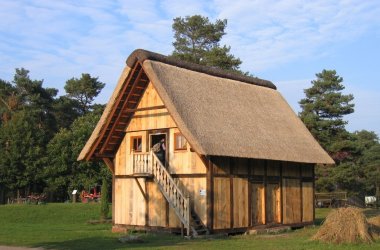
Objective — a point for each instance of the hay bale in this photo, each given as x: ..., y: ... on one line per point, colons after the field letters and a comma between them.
x: 344, y: 225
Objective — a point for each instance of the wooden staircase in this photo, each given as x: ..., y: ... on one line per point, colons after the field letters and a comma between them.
x: 149, y: 164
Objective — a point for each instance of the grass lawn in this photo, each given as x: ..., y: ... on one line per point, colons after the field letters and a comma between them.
x: 64, y: 226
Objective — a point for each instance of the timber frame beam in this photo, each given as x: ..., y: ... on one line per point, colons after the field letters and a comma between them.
x: 102, y: 134
x: 123, y: 107
x: 145, y: 109
x: 110, y: 165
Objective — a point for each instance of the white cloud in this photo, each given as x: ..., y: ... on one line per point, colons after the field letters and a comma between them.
x: 276, y: 32
x: 367, y: 103
x: 58, y: 40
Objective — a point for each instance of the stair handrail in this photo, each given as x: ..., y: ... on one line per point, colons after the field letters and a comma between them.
x: 183, y: 212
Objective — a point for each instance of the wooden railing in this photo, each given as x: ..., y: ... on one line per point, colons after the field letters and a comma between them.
x: 173, y: 194
x: 148, y: 163
x: 141, y: 163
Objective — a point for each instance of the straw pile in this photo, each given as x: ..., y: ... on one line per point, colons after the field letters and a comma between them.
x: 344, y: 225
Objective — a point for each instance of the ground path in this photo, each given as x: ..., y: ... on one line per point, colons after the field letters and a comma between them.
x: 18, y: 248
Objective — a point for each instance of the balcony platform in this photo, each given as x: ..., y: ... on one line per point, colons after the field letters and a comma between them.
x: 143, y: 175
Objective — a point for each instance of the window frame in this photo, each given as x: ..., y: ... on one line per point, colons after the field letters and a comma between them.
x: 176, y: 136
x: 133, y: 138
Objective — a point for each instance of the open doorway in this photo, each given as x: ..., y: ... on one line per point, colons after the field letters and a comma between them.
x: 155, y: 138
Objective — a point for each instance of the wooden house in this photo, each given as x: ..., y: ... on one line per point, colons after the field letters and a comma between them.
x: 237, y: 156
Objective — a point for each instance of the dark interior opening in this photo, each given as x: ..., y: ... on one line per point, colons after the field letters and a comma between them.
x: 157, y: 138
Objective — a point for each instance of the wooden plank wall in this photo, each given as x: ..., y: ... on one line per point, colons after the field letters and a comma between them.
x: 273, y: 206
x: 129, y: 202
x: 184, y: 165
x: 291, y: 201
x: 120, y: 158
x: 241, y: 192
x: 240, y: 201
x: 258, y: 204
x: 150, y: 119
x: 252, y: 192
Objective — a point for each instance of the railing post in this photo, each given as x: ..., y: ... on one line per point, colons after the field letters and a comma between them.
x: 151, y: 162
x: 133, y: 162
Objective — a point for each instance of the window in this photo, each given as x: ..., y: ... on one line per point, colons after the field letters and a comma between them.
x: 136, y: 143
x: 180, y: 142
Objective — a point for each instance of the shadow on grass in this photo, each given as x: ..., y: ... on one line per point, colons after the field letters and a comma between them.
x: 371, y: 212
x: 109, y: 242
x: 319, y: 221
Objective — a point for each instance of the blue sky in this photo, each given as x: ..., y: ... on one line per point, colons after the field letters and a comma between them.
x: 286, y: 42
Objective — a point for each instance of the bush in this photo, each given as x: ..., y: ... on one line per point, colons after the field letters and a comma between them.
x: 104, y: 206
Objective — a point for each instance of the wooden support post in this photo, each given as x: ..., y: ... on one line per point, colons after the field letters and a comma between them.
x: 113, y: 199
x: 188, y: 215
x: 111, y: 167
x: 210, y: 195
x: 167, y: 213
x: 146, y: 203
x: 231, y: 163
x: 281, y: 193
x: 301, y: 195
x: 250, y: 165
x: 265, y: 190
x: 313, y: 193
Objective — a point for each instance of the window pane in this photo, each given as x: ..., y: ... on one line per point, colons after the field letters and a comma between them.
x: 137, y: 144
x: 180, y: 141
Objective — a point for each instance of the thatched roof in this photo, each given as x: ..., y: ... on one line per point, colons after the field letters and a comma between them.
x: 222, y: 115
x: 140, y: 55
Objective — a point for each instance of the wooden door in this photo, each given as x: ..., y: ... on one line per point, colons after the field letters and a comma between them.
x: 155, y: 136
x: 257, y: 204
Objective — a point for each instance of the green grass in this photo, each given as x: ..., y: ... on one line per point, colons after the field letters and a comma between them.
x: 64, y: 226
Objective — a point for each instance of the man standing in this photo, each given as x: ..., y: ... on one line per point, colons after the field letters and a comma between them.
x: 160, y: 150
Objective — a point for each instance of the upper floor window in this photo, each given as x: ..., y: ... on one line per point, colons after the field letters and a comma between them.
x: 180, y: 142
x: 136, y: 143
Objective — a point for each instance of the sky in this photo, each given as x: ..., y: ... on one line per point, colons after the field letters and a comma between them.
x: 286, y: 42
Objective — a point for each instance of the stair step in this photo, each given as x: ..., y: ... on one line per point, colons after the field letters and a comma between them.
x: 201, y: 230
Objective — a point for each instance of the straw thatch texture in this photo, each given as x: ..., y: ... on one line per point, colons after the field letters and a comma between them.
x: 344, y: 225
x: 84, y: 154
x: 141, y: 55
x: 225, y: 117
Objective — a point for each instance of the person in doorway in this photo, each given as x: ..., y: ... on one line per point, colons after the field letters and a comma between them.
x: 160, y: 150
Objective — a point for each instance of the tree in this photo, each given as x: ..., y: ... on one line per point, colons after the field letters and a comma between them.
x: 23, y: 148
x: 197, y: 40
x: 323, y: 110
x: 8, y: 100
x: 371, y: 163
x: 66, y: 110
x: 63, y: 172
x: 84, y: 90
x: 27, y: 125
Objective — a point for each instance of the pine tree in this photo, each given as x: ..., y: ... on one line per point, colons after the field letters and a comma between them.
x: 197, y: 40
x: 323, y: 110
x: 84, y: 90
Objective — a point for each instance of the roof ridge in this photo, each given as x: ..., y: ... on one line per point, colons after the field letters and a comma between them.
x: 140, y: 55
